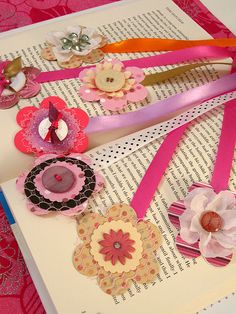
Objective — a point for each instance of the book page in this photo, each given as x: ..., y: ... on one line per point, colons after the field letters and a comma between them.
x: 152, y: 19
x: 183, y: 286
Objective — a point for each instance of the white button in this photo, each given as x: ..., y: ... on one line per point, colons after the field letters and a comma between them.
x: 110, y: 80
x: 61, y: 132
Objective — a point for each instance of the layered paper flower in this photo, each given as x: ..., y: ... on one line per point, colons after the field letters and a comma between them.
x: 117, y: 249
x: 112, y: 84
x: 51, y: 128
x: 74, y: 46
x: 60, y: 184
x: 206, y: 222
x: 17, y: 82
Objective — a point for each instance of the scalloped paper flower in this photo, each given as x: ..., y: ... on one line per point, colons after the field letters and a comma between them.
x: 17, y: 82
x: 117, y: 249
x: 113, y: 84
x: 74, y: 46
x: 60, y: 184
x: 206, y: 222
x: 66, y: 130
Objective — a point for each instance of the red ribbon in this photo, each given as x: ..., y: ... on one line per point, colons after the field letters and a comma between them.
x: 3, y: 81
x: 54, y: 117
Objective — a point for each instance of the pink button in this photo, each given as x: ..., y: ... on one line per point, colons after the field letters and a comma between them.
x: 58, y: 179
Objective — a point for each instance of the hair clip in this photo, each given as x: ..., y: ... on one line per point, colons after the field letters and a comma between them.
x: 74, y: 46
x: 60, y: 184
x: 117, y: 249
x: 113, y: 84
x: 17, y: 82
x: 206, y: 222
x: 51, y: 128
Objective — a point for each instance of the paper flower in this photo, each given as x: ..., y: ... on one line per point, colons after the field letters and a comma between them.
x: 117, y: 249
x: 206, y: 222
x: 112, y: 84
x: 17, y: 82
x: 60, y: 184
x: 74, y: 46
x: 51, y: 128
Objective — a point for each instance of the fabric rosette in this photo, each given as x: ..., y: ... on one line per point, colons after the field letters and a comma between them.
x: 117, y: 249
x: 17, y: 82
x: 206, y: 222
x: 51, y: 128
x: 112, y: 84
x: 60, y: 184
x: 74, y: 46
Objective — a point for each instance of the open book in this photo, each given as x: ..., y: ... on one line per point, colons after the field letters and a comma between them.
x: 183, y: 286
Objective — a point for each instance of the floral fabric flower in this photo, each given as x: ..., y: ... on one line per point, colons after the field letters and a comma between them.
x: 51, y: 128
x: 207, y: 224
x: 117, y: 249
x: 60, y: 184
x: 112, y: 84
x: 17, y: 82
x: 74, y: 46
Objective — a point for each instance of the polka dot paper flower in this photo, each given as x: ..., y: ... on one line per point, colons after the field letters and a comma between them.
x: 17, y: 82
x: 117, y: 249
x: 60, y: 184
x: 112, y: 84
x: 51, y: 128
x: 206, y: 222
x: 74, y: 46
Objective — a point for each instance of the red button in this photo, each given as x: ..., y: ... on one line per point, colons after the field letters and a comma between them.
x: 211, y: 221
x: 58, y: 179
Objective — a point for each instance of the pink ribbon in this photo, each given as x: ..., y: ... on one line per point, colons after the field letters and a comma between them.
x: 173, y: 57
x: 164, y: 108
x: 3, y: 81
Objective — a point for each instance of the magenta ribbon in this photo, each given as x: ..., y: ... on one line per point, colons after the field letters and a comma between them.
x: 164, y: 108
x: 3, y: 81
x: 168, y: 58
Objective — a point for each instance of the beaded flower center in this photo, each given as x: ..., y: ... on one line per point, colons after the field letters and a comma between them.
x: 75, y: 42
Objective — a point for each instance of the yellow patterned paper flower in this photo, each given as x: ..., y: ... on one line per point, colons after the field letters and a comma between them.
x: 117, y: 249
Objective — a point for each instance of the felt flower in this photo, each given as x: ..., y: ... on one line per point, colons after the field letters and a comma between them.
x: 16, y: 82
x: 60, y: 184
x: 206, y: 222
x: 74, y: 46
x: 112, y: 84
x: 117, y: 249
x: 51, y: 128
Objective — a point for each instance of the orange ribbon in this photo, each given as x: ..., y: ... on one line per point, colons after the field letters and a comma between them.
x: 160, y: 44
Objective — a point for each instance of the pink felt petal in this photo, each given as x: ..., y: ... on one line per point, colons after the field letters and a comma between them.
x: 8, y: 101
x: 229, y: 217
x: 31, y: 72
x: 188, y: 250
x: 227, y: 241
x: 81, y: 116
x: 198, y: 198
x: 21, y: 143
x: 30, y: 89
x: 56, y: 101
x: 24, y: 115
x: 137, y: 93
x: 113, y: 104
x: 185, y: 223
x: 89, y: 94
x: 221, y: 201
x: 83, y: 73
x: 81, y: 143
x: 137, y: 73
x: 210, y: 248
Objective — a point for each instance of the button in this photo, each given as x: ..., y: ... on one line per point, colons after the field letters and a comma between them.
x: 110, y: 80
x: 211, y: 221
x: 58, y: 179
x: 61, y: 131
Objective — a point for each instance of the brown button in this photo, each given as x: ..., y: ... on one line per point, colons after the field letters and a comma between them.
x: 211, y: 221
x: 58, y: 179
x: 110, y: 80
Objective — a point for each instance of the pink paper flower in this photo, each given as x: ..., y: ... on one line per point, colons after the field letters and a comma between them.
x: 112, y: 84
x: 17, y: 82
x: 60, y: 184
x: 51, y: 128
x: 117, y: 246
x: 207, y: 224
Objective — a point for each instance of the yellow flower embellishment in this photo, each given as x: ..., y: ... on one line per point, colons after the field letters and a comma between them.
x: 117, y: 249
